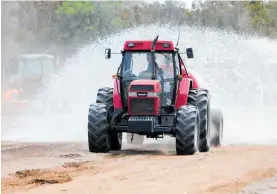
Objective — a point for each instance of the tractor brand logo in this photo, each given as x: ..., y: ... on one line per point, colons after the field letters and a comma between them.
x: 142, y: 94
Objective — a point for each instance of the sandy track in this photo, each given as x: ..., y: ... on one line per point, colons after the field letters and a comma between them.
x: 70, y: 168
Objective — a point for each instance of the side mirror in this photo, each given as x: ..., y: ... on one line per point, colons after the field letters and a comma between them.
x: 108, y: 53
x: 189, y: 53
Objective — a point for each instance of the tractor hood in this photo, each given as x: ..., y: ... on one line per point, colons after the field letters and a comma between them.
x: 32, y: 83
x: 145, y: 86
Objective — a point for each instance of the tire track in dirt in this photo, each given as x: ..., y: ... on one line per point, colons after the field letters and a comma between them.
x: 223, y: 170
x: 30, y: 178
x: 35, y: 177
x: 265, y: 186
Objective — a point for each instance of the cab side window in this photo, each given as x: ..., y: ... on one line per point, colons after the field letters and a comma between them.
x: 177, y: 63
x: 12, y: 68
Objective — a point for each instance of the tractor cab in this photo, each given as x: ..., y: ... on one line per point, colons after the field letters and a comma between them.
x: 35, y: 66
x: 149, y: 69
x: 28, y: 73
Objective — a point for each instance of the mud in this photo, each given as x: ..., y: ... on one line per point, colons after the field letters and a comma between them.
x: 152, y: 168
x: 266, y: 186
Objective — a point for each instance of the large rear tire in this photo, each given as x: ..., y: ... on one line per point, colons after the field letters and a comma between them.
x: 200, y: 99
x: 187, y: 130
x: 105, y: 96
x: 98, y: 136
x: 217, y: 121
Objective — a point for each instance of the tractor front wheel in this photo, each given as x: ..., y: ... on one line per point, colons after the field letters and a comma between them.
x: 187, y: 130
x: 105, y: 96
x: 98, y: 136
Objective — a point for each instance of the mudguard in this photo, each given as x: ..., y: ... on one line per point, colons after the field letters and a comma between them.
x: 182, y: 94
x: 116, y: 95
x: 193, y: 76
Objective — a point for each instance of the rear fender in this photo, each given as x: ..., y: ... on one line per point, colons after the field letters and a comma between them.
x: 116, y: 95
x: 195, y: 84
x: 183, y: 90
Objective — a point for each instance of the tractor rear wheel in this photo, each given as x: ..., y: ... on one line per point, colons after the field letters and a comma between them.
x: 217, y: 121
x: 105, y: 95
x: 187, y: 130
x: 98, y: 136
x: 200, y: 99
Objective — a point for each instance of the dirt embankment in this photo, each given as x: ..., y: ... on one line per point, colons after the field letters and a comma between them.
x: 70, y: 168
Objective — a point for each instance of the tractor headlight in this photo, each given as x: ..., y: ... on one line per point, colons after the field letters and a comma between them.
x: 152, y: 94
x: 133, y: 94
x: 149, y: 94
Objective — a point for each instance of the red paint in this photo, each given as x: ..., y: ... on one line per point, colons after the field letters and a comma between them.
x: 157, y: 100
x: 184, y: 84
x: 116, y: 95
x: 145, y: 45
x: 182, y: 94
x: 195, y: 84
x: 149, y: 82
x: 185, y: 74
x: 8, y: 95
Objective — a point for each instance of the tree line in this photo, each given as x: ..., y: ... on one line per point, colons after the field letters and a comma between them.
x: 61, y: 27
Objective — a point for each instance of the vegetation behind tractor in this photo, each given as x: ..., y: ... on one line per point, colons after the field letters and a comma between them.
x: 153, y: 95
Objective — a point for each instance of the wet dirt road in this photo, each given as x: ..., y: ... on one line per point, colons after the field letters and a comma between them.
x: 153, y: 168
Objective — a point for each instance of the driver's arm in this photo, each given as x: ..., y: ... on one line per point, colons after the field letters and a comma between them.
x: 160, y: 72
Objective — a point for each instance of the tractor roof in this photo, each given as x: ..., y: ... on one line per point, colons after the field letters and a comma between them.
x: 145, y: 45
x: 36, y: 56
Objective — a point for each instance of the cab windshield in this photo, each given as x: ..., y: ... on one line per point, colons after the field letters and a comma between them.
x: 138, y: 65
x: 40, y: 67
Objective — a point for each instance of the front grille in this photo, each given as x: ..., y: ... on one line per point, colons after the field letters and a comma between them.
x: 148, y: 88
x: 142, y: 105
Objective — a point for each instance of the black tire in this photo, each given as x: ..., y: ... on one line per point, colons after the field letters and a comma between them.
x: 105, y: 96
x: 138, y: 139
x: 98, y: 136
x: 187, y: 130
x: 200, y: 99
x: 116, y: 140
x: 217, y: 121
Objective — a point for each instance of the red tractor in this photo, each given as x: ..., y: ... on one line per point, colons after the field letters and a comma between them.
x: 23, y: 78
x: 150, y: 101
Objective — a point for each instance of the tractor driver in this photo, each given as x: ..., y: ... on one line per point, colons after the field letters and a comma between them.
x: 148, y: 72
